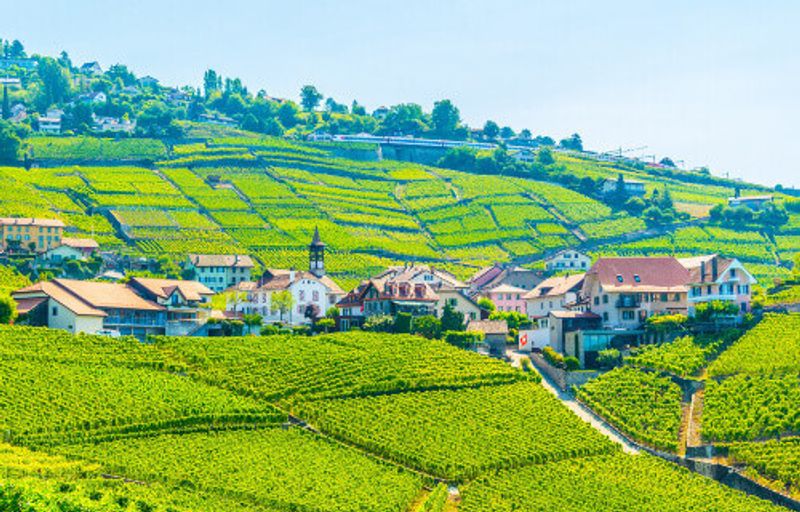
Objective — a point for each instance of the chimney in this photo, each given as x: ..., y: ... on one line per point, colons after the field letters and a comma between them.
x: 714, y: 270
x: 702, y: 271
x: 291, y: 275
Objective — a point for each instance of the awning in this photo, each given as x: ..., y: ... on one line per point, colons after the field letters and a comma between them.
x: 29, y: 304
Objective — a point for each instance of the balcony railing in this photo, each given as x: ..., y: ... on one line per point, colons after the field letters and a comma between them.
x: 628, y: 302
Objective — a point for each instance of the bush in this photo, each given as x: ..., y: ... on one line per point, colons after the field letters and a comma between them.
x: 572, y: 363
x: 8, y: 309
x: 379, y: 323
x: 463, y: 339
x: 301, y: 330
x: 553, y: 357
x: 402, y: 323
x: 608, y: 358
x: 428, y: 326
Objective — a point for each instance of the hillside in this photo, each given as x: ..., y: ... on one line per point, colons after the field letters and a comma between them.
x: 265, y: 196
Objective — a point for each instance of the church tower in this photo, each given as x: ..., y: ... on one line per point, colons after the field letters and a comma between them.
x: 316, y: 255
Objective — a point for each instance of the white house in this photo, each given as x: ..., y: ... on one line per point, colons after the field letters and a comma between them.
x: 713, y: 277
x: 632, y: 187
x: 752, y: 202
x: 220, y: 271
x: 553, y: 294
x: 569, y: 259
x: 71, y: 249
x: 51, y: 122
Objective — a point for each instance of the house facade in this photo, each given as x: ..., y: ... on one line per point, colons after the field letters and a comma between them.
x: 571, y: 260
x: 139, y: 308
x: 39, y: 235
x: 624, y: 292
x: 507, y: 298
x: 554, y: 294
x: 714, y: 278
x: 632, y: 187
x: 220, y: 271
x: 80, y: 249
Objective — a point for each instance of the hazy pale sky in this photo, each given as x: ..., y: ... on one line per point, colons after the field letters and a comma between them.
x: 715, y: 84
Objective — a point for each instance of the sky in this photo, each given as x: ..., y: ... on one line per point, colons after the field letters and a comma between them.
x: 714, y: 83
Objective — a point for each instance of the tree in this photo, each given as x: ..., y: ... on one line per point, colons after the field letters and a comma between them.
x: 8, y: 309
x: 325, y: 325
x: 573, y: 142
x: 462, y: 158
x: 486, y: 304
x: 312, y: 312
x: 211, y: 82
x: 402, y: 323
x: 428, y: 326
x: 6, y: 104
x: 357, y: 109
x: 283, y: 301
x: 445, y: 118
x: 55, y: 84
x: 252, y: 320
x: 525, y: 134
x: 334, y: 107
x: 120, y: 74
x: 287, y: 114
x: 491, y: 130
x: 667, y: 162
x: 64, y: 60
x: 404, y: 119
x: 16, y: 50
x: 310, y: 97
x: 10, y: 143
x: 452, y: 320
x: 506, y: 132
x: 635, y: 206
x: 379, y: 323
x: 545, y: 157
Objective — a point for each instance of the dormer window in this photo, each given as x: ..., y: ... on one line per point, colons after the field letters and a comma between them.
x: 637, y: 278
x: 619, y: 278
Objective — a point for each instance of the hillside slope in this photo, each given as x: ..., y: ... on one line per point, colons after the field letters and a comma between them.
x: 265, y: 196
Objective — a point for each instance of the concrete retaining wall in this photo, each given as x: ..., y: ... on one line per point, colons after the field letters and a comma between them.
x: 562, y: 378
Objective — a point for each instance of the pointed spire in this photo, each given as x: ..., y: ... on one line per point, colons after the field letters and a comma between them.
x: 316, y: 241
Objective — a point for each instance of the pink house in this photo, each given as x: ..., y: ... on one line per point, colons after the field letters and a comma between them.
x: 508, y: 298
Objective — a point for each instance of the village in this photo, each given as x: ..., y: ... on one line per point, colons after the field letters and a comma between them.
x: 573, y: 306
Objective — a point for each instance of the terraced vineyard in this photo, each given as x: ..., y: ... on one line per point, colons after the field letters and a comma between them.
x: 200, y: 424
x: 640, y: 403
x: 263, y: 196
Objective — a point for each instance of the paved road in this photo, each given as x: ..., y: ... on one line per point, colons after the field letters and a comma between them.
x: 579, y: 409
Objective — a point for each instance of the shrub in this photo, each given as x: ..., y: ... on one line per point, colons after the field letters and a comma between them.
x: 572, y: 363
x: 379, y: 323
x: 553, y: 357
x: 608, y: 358
x: 402, y: 323
x: 428, y: 326
x: 463, y: 339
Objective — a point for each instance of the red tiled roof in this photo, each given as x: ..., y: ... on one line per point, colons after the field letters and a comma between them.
x: 640, y: 274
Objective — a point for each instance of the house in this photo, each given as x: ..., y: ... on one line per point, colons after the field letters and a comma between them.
x: 713, y: 277
x: 523, y: 155
x: 90, y: 307
x: 93, y: 97
x: 553, y: 294
x: 218, y: 119
x: 18, y: 113
x: 10, y: 82
x: 220, y: 271
x: 507, y: 297
x: 311, y: 291
x: 568, y: 259
x: 50, y: 123
x: 632, y: 187
x: 79, y: 249
x: 414, y: 289
x: 113, y: 124
x: 497, y: 274
x: 752, y: 202
x: 91, y: 68
x: 38, y: 235
x: 148, y: 81
x: 186, y: 302
x: 130, y: 90
x: 626, y: 291
x: 571, y: 334
x: 27, y: 64
x: 495, y: 333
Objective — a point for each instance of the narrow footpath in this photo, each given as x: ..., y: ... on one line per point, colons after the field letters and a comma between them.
x: 579, y: 409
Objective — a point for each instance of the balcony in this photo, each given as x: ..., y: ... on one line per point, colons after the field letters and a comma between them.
x: 628, y: 301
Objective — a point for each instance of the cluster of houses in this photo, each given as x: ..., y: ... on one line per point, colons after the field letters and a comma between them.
x: 575, y: 306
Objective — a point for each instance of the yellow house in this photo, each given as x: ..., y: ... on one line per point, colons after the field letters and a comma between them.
x: 38, y: 235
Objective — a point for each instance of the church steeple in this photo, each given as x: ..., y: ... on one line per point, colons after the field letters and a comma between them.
x: 316, y: 255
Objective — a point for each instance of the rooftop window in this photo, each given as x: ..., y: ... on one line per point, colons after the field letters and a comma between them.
x: 619, y: 277
x: 637, y: 278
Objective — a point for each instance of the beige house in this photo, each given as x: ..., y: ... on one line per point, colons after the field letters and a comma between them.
x: 71, y: 249
x: 553, y: 294
x: 30, y: 233
x: 624, y: 292
x: 220, y: 271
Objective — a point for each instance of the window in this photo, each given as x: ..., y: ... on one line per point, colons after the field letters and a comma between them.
x: 605, y: 316
x: 627, y: 315
x: 315, y: 295
x: 637, y: 278
x: 619, y: 278
x: 605, y: 299
x: 733, y: 272
x: 55, y: 310
x: 302, y: 295
x: 597, y: 301
x: 677, y: 297
x: 664, y: 297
